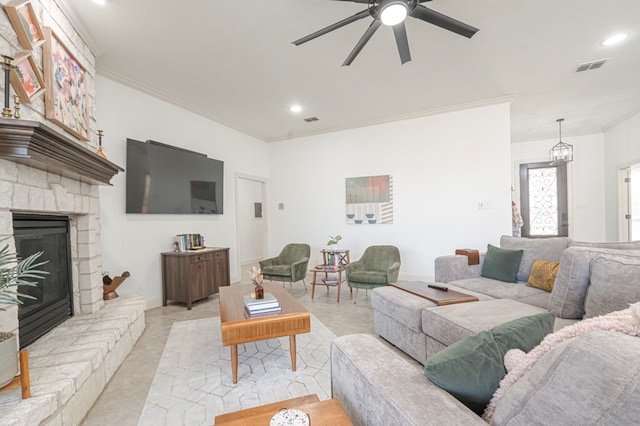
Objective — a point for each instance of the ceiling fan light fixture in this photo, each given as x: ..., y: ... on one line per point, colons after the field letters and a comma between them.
x: 393, y: 13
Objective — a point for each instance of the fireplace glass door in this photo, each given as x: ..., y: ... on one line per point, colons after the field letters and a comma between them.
x: 53, y: 302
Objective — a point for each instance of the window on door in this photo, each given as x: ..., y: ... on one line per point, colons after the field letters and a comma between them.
x: 543, y: 200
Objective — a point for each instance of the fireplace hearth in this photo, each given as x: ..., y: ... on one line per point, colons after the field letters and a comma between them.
x: 53, y: 302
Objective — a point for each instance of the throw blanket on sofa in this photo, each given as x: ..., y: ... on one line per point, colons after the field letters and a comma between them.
x: 519, y: 363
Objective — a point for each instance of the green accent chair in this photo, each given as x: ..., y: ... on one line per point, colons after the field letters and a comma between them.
x: 289, y: 266
x: 378, y: 266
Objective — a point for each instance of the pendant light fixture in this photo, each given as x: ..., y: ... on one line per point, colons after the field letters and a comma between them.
x: 561, y: 152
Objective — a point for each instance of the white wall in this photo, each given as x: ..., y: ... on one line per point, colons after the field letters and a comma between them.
x: 585, y: 181
x: 442, y: 167
x: 134, y: 242
x: 622, y: 148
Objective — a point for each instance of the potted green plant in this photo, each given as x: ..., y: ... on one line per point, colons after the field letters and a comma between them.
x: 14, y: 272
x: 333, y: 241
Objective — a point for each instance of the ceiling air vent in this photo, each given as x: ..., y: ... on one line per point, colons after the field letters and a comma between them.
x: 593, y: 65
x: 310, y: 119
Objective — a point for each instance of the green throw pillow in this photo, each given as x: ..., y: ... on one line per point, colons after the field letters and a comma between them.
x: 471, y: 369
x: 501, y: 264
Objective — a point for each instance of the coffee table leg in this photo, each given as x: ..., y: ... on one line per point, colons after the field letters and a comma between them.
x: 339, y: 282
x: 234, y: 363
x: 292, y: 349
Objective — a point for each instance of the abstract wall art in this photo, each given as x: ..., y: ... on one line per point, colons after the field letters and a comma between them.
x: 369, y: 200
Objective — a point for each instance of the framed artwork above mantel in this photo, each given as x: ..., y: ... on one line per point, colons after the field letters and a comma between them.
x: 25, y: 78
x: 25, y: 23
x: 66, y: 96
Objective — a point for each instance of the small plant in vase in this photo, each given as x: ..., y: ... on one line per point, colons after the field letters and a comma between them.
x: 333, y: 246
x: 256, y: 279
x: 13, y: 274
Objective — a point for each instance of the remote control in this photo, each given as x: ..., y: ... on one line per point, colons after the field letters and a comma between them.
x: 438, y: 287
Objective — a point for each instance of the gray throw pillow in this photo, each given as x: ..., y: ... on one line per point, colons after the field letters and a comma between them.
x: 471, y: 368
x: 501, y: 264
x: 615, y: 284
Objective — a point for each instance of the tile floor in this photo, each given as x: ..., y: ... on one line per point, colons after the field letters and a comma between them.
x: 123, y: 399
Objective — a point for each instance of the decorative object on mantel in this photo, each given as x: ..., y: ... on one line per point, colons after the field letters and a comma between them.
x: 16, y: 107
x: 25, y: 23
x: 25, y: 77
x: 39, y: 146
x: 66, y: 102
x: 6, y: 66
x: 109, y: 285
x: 561, y: 152
x: 100, y: 151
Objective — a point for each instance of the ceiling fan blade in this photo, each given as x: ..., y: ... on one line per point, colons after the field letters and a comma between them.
x: 400, y: 31
x: 365, y: 38
x: 443, y: 21
x: 332, y: 27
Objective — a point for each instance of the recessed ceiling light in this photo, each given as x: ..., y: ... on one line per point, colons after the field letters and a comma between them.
x: 295, y: 108
x: 615, y: 39
x: 100, y: 2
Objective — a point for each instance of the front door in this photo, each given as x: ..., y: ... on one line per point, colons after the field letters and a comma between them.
x: 543, y: 197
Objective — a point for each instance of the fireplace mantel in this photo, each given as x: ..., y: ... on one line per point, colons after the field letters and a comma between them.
x: 36, y: 145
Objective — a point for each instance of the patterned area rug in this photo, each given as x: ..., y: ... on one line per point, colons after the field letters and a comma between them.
x: 193, y: 382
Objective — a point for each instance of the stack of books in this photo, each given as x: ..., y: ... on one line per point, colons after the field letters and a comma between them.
x: 268, y: 305
x: 188, y: 242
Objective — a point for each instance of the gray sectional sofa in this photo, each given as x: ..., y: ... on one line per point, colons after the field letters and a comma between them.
x: 420, y: 328
x: 378, y: 386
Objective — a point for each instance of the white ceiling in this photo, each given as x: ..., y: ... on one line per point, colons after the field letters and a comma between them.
x: 233, y: 61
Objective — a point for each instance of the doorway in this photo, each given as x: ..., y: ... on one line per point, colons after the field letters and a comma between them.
x: 629, y: 190
x: 251, y: 221
x: 543, y: 197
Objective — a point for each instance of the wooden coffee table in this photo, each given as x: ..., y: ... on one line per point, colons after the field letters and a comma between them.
x: 327, y: 412
x: 439, y: 297
x: 238, y: 327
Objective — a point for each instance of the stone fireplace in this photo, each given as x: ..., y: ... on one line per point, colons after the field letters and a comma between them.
x: 45, y: 175
x: 42, y: 172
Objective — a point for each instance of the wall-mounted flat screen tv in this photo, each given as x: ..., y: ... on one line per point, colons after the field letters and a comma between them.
x: 165, y: 179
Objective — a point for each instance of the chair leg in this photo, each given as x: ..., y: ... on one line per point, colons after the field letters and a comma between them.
x: 305, y: 284
x: 356, y: 301
x: 282, y: 284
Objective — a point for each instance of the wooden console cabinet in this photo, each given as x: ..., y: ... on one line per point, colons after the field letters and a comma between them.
x: 194, y: 275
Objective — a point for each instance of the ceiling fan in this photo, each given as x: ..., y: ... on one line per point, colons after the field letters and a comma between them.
x: 393, y: 13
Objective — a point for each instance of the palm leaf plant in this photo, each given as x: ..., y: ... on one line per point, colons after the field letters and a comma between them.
x: 15, y: 272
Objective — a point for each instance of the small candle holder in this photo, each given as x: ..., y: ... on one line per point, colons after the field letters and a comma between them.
x: 100, y: 152
x: 16, y: 107
x: 6, y: 66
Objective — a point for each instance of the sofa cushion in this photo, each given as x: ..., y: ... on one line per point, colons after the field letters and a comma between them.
x: 558, y: 391
x: 615, y: 245
x: 568, y: 295
x: 400, y: 305
x: 534, y: 248
x: 371, y: 277
x: 543, y: 274
x: 615, y: 284
x: 501, y: 264
x: 278, y: 270
x: 501, y: 290
x: 472, y: 368
x: 448, y: 324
